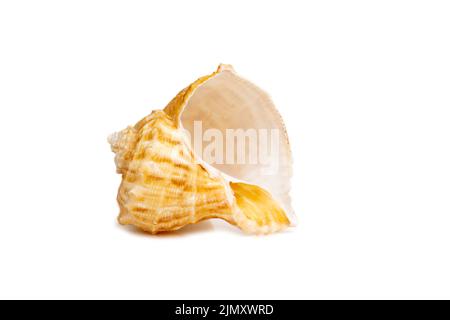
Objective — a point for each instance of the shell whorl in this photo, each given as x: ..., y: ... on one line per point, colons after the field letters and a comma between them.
x: 163, y: 188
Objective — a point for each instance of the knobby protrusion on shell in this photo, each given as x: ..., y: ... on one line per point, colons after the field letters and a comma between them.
x: 166, y: 186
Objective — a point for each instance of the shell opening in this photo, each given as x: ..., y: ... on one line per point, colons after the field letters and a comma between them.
x: 235, y: 128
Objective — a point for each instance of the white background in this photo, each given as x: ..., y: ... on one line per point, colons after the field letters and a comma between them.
x: 364, y: 90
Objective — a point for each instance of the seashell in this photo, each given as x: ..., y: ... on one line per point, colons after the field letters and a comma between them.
x: 166, y: 184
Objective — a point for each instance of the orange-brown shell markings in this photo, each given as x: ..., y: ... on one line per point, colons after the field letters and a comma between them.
x: 163, y: 188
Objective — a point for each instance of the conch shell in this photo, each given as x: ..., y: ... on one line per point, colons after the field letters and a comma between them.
x: 166, y: 185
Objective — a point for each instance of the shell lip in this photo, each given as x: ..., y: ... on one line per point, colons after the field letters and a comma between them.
x: 225, y: 67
